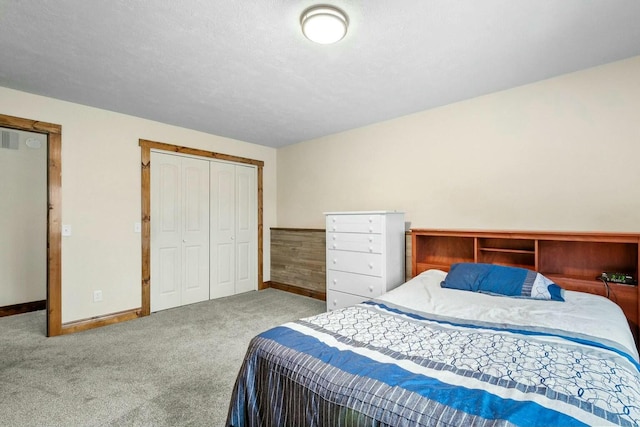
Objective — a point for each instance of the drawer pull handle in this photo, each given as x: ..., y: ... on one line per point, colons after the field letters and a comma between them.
x: 335, y: 261
x: 335, y: 280
x: 370, y: 288
x: 335, y: 246
x: 370, y: 239
x: 335, y: 302
x: 370, y: 219
x: 370, y: 265
x: 370, y: 229
x: 370, y: 248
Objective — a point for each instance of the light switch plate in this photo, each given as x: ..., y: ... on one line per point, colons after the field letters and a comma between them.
x: 66, y: 230
x: 137, y: 227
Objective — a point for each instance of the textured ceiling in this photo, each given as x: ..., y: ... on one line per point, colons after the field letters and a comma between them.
x: 242, y: 69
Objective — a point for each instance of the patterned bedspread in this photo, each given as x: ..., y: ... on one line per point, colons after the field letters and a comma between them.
x: 376, y: 365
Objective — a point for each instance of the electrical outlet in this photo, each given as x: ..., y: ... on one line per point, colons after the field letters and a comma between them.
x: 66, y: 230
x: 97, y: 296
x: 137, y: 227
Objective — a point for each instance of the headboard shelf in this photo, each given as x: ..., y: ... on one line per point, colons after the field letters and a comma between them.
x: 572, y: 259
x: 509, y: 251
x: 424, y: 266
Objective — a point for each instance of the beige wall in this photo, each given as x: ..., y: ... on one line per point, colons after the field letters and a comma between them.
x: 101, y: 195
x: 560, y: 154
x: 23, y: 221
x: 555, y: 155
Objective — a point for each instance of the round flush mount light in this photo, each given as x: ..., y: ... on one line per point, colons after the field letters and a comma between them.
x: 324, y: 24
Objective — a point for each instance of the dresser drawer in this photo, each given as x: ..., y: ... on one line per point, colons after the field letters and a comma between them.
x: 358, y: 242
x: 355, y: 223
x: 358, y: 284
x: 355, y: 262
x: 336, y: 300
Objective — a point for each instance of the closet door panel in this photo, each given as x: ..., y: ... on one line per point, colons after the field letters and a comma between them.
x: 195, y: 282
x: 243, y: 270
x: 243, y: 198
x: 195, y: 232
x: 225, y: 209
x: 222, y: 219
x: 167, y: 279
x: 168, y: 201
x: 223, y: 274
x: 179, y: 230
x: 246, y: 229
x: 196, y: 196
x: 166, y: 241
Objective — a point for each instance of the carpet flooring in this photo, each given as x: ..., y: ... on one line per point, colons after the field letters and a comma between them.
x: 176, y: 367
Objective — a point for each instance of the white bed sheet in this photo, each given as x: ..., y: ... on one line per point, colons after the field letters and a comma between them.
x: 582, y: 313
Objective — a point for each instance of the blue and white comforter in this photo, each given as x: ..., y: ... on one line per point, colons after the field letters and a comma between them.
x: 377, y: 365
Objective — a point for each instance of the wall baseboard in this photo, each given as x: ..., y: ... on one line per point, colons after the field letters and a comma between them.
x: 123, y: 316
x: 25, y: 307
x: 98, y: 321
x: 297, y: 290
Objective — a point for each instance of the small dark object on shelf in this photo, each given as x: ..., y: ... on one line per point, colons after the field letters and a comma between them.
x: 620, y: 278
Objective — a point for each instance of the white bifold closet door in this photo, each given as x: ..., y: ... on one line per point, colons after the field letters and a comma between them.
x: 180, y: 238
x: 233, y: 229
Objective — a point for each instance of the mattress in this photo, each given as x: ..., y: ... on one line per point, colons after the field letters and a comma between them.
x: 582, y: 313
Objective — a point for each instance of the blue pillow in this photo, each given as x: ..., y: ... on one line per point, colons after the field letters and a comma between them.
x: 501, y: 280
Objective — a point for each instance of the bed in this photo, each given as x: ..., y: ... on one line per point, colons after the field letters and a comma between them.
x: 424, y: 355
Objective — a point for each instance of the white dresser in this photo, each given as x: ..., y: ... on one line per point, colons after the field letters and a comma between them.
x: 365, y: 255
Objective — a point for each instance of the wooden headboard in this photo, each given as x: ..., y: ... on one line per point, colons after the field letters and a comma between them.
x: 572, y: 260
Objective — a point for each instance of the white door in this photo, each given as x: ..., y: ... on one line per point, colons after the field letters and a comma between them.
x: 179, y: 230
x: 233, y: 229
x: 246, y: 229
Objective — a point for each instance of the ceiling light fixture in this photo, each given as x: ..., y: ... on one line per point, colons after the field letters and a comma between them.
x: 324, y: 24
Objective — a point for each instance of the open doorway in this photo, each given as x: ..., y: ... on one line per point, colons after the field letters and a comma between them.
x: 23, y: 223
x: 52, y: 135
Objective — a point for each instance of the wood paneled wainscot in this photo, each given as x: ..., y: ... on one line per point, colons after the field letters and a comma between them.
x: 572, y: 260
x: 298, y: 261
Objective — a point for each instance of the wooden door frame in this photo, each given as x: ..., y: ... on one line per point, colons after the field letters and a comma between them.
x: 145, y: 170
x: 54, y: 208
